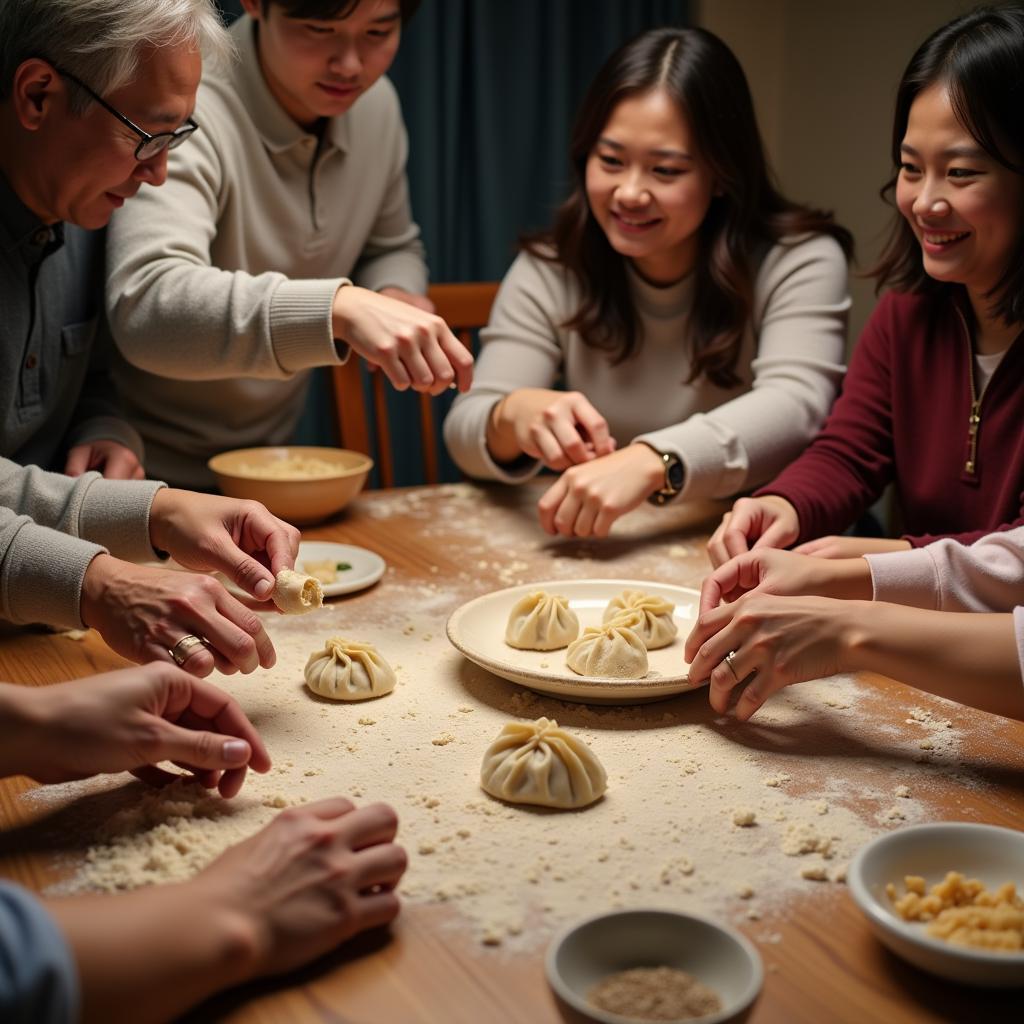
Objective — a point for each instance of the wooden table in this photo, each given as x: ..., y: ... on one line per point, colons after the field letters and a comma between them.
x: 824, y: 964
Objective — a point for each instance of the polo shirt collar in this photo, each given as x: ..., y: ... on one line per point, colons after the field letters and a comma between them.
x: 19, y: 226
x: 276, y: 127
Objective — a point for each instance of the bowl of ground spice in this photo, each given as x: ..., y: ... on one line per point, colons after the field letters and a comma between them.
x: 630, y: 966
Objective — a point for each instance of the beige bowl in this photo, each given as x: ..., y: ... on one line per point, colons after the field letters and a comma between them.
x: 301, y: 499
x: 588, y: 951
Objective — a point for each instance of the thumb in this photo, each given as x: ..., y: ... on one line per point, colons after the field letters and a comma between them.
x: 201, y: 749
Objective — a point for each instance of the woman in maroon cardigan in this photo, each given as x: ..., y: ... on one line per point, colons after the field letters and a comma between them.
x: 933, y: 399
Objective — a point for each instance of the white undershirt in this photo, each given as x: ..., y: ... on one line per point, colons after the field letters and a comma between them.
x: 984, y: 367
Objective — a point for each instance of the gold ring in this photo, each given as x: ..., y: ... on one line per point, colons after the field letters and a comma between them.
x: 181, y: 650
x: 732, y: 668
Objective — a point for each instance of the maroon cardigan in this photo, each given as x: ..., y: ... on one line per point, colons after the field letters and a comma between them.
x: 904, y: 417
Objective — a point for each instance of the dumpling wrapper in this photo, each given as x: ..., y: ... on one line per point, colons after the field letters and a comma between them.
x: 612, y: 652
x: 540, y: 621
x: 348, y: 670
x: 539, y: 763
x: 295, y: 593
x: 653, y: 620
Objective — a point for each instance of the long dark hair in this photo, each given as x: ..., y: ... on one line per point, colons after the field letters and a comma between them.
x: 701, y: 74
x: 979, y: 58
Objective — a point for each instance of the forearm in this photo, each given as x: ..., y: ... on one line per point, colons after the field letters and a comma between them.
x: 20, y: 733
x: 146, y: 956
x: 501, y: 434
x: 967, y: 657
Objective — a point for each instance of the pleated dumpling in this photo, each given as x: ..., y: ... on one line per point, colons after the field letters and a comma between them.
x: 611, y: 651
x: 538, y: 763
x: 348, y: 670
x: 655, y: 625
x: 541, y: 622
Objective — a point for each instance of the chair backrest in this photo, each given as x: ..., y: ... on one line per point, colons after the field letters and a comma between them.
x: 365, y: 403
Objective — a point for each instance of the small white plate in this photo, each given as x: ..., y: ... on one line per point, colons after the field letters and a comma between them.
x: 477, y: 629
x: 367, y: 566
x: 989, y: 853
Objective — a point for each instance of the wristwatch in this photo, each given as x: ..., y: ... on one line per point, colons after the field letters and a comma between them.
x: 675, y: 477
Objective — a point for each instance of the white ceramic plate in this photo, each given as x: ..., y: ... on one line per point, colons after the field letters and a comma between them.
x: 367, y: 566
x: 989, y: 853
x: 477, y: 629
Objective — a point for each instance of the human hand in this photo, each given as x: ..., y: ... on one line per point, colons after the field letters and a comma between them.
x: 753, y: 523
x: 774, y: 640
x: 241, y: 539
x: 142, y: 612
x: 850, y: 547
x: 131, y: 720
x: 586, y: 499
x: 313, y: 878
x: 414, y: 348
x: 560, y: 428
x: 419, y: 301
x: 785, y: 573
x: 113, y: 460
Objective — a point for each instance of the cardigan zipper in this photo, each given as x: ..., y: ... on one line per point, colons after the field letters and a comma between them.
x: 974, y: 419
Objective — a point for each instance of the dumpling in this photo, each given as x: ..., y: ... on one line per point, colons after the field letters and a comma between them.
x: 541, y: 622
x: 610, y: 650
x: 656, y: 625
x: 348, y: 670
x: 538, y: 763
x: 296, y: 593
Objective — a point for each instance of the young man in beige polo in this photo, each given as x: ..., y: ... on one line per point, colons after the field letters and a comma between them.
x: 282, y: 240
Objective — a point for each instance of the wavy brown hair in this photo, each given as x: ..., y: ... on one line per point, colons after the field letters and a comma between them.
x: 979, y: 58
x: 701, y: 74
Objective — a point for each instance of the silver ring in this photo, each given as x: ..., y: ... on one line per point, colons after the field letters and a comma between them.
x: 184, y: 647
x: 732, y: 668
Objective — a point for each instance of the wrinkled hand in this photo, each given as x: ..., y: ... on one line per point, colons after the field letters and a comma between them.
x: 754, y: 523
x: 785, y: 573
x: 136, y: 717
x: 776, y: 640
x: 414, y: 348
x: 586, y: 499
x: 113, y: 460
x: 850, y: 547
x: 142, y: 612
x: 241, y: 539
x: 314, y: 877
x: 560, y: 428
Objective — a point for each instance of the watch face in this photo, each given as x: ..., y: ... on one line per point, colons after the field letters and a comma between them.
x: 675, y: 475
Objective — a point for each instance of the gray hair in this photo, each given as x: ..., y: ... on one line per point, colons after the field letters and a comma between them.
x: 102, y: 41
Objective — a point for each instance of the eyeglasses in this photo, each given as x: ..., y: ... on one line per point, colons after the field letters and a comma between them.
x: 151, y: 145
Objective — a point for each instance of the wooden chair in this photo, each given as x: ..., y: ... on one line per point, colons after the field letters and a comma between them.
x: 361, y: 398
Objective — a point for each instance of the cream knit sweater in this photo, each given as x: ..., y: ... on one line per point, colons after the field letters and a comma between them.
x: 790, y: 367
x: 221, y: 281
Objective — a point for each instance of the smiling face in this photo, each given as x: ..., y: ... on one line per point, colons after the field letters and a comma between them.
x: 86, y: 164
x: 319, y: 68
x: 964, y: 207
x: 648, y: 187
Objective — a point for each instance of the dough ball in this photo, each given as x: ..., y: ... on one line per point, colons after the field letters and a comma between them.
x: 348, y: 670
x: 646, y: 614
x: 295, y: 593
x: 541, y: 622
x: 614, y: 652
x: 538, y: 763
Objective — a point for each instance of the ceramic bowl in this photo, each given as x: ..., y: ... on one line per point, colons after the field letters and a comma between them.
x: 302, y: 500
x: 587, y: 952
x: 991, y: 854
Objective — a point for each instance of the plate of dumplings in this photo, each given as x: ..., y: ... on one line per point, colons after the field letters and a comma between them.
x: 594, y: 641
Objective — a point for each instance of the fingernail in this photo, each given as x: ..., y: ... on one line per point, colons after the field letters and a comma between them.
x: 236, y: 751
x: 263, y: 588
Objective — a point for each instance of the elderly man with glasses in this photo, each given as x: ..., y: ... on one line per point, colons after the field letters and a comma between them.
x: 89, y: 107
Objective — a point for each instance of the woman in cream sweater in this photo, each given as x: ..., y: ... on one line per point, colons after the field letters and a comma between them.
x: 695, y: 316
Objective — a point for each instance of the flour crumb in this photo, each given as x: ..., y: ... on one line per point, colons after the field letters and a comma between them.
x: 774, y: 781
x: 443, y: 740
x: 367, y: 721
x: 744, y: 892
x: 902, y: 791
x: 894, y: 813
x: 802, y: 838
x: 821, y: 807
x: 814, y: 873
x: 744, y: 817
x: 274, y: 801
x: 839, y: 873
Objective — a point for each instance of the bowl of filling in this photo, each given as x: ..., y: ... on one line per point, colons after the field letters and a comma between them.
x: 300, y: 484
x: 946, y: 897
x: 627, y: 966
